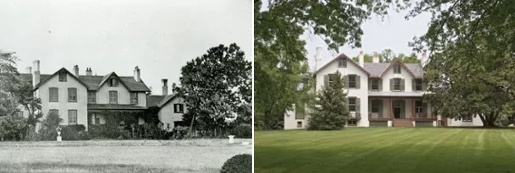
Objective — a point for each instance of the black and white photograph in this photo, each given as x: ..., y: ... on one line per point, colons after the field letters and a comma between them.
x: 126, y: 86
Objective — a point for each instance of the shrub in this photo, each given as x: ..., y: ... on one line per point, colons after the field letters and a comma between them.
x: 242, y: 131
x: 12, y: 128
x: 180, y: 132
x: 240, y: 163
x: 48, y: 130
x: 74, y: 132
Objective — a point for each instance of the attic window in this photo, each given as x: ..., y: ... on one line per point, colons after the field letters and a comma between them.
x: 397, y: 69
x: 342, y: 63
x: 113, y: 82
x: 62, y: 77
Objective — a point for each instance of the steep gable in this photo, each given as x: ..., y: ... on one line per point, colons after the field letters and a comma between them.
x: 62, y: 70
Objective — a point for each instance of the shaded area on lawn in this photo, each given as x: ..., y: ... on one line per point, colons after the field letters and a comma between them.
x: 72, y: 167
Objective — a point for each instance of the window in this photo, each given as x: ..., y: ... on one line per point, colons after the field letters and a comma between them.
x: 299, y: 124
x: 342, y: 63
x: 397, y: 69
x: 95, y: 119
x: 113, y: 82
x: 134, y: 98
x: 418, y: 84
x: 72, y: 94
x: 376, y: 104
x: 352, y: 104
x: 178, y: 108
x: 54, y: 94
x: 62, y: 77
x: 467, y: 118
x: 375, y: 84
x: 72, y: 117
x: 419, y: 107
x: 397, y: 84
x: 352, y: 81
x: 113, y: 97
x: 53, y: 111
x: 331, y: 78
x: 92, y: 97
x: 352, y: 122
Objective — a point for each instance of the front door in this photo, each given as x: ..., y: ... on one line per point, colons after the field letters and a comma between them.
x: 398, y: 111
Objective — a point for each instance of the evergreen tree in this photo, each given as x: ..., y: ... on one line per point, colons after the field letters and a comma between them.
x: 329, y: 109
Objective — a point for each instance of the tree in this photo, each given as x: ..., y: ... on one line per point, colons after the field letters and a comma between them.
x: 329, y: 109
x: 8, y: 83
x: 216, y: 87
x: 279, y: 54
x: 472, y: 57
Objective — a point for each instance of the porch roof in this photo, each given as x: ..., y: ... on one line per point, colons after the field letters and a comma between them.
x: 396, y: 94
x: 114, y: 107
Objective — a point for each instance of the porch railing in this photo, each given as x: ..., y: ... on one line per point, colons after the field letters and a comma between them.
x: 378, y: 116
x: 354, y: 115
x: 424, y: 116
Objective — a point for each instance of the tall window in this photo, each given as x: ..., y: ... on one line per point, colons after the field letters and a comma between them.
x: 342, y: 63
x: 376, y: 104
x: 72, y: 117
x: 330, y: 79
x: 113, y: 97
x: 419, y: 107
x: 72, y: 94
x: 62, y: 77
x: 352, y: 104
x: 375, y: 84
x: 467, y: 118
x: 53, y: 111
x: 397, y: 69
x: 113, y: 82
x: 53, y: 94
x: 134, y: 98
x: 92, y: 97
x: 397, y: 84
x: 352, y: 81
x: 178, y: 108
x: 418, y: 84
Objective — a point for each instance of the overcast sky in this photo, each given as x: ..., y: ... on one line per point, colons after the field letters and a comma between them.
x: 393, y: 32
x: 158, y: 36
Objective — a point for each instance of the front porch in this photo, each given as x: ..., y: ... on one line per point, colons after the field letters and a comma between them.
x: 111, y: 120
x: 400, y: 112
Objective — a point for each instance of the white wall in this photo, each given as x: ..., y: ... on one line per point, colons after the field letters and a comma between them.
x: 63, y: 105
x: 124, y: 96
x: 361, y: 93
x: 291, y: 123
x: 166, y: 113
x: 476, y: 121
x: 404, y: 75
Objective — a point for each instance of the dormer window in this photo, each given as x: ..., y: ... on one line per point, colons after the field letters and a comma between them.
x: 397, y: 69
x: 62, y: 77
x: 113, y: 82
x: 342, y: 63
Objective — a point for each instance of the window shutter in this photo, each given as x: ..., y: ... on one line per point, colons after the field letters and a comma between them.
x: 423, y: 85
x: 413, y: 84
x: 358, y: 103
x: 326, y: 79
x: 380, y: 84
x: 402, y: 84
x: 391, y: 84
x: 369, y: 84
x: 346, y: 79
x: 358, y: 81
x: 369, y: 106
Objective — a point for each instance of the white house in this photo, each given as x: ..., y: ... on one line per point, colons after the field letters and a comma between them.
x: 379, y: 94
x: 171, y: 108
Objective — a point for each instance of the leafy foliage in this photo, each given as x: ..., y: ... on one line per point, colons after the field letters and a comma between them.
x: 8, y: 83
x: 216, y: 87
x: 388, y: 55
x: 329, y: 110
x: 12, y: 128
x: 48, y: 131
x: 242, y: 131
x: 241, y: 163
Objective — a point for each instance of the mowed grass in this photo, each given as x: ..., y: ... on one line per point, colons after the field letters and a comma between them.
x: 386, y: 150
x: 119, y: 156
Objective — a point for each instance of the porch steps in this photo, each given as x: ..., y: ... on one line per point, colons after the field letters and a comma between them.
x: 402, y: 123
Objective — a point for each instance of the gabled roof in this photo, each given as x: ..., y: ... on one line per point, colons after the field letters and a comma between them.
x: 397, y: 61
x: 62, y: 70
x: 342, y: 56
x: 167, y: 99
x: 108, y: 76
x: 154, y: 100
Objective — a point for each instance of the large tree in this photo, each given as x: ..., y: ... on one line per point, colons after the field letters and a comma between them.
x: 472, y: 46
x: 216, y: 87
x: 9, y: 79
x: 279, y: 54
x: 329, y: 109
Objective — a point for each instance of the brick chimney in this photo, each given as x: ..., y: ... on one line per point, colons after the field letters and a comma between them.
x: 423, y: 59
x: 361, y: 59
x: 318, y: 57
x: 36, y: 73
x: 165, y: 87
x: 375, y: 59
x: 76, y: 70
x: 137, y: 74
x: 88, y: 71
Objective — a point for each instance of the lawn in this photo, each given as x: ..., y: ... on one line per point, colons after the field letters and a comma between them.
x: 386, y: 150
x: 203, y: 155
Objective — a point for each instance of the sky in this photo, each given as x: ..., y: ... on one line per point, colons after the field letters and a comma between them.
x: 158, y: 36
x: 393, y: 32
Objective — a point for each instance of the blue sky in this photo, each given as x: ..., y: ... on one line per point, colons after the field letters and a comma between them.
x: 158, y: 36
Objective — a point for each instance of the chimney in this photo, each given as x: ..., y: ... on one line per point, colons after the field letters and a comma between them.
x: 35, y: 75
x: 88, y: 71
x: 318, y: 57
x: 423, y: 59
x: 375, y: 59
x: 137, y: 76
x: 165, y: 87
x: 29, y: 70
x: 76, y: 70
x: 361, y: 59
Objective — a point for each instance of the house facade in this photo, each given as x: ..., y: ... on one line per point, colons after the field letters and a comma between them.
x: 379, y: 94
x: 171, y: 108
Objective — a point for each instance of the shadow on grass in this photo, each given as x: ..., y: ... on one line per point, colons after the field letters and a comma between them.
x: 73, y: 167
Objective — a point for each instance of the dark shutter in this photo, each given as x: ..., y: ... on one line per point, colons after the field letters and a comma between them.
x: 358, y: 105
x: 326, y: 79
x: 391, y: 84
x: 413, y: 84
x: 380, y: 81
x: 402, y: 84
x: 358, y: 81
x: 369, y: 84
x: 346, y: 79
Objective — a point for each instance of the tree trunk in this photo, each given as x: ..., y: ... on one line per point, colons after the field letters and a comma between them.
x: 489, y: 119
